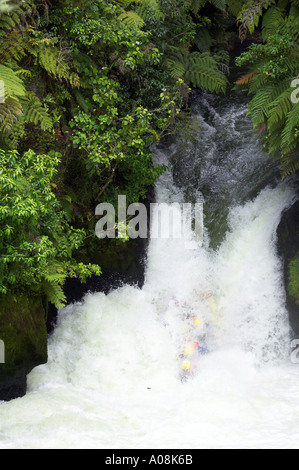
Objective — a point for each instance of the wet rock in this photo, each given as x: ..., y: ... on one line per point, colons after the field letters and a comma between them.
x: 288, y: 248
x: 23, y: 332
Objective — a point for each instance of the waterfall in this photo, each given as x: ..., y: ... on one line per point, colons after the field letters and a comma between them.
x: 116, y: 376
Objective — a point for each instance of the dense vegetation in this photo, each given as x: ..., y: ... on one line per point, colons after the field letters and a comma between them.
x: 90, y: 85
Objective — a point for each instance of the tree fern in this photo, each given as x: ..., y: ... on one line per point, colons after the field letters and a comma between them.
x: 257, y: 82
x: 278, y: 109
x: 196, y: 5
x: 273, y: 19
x: 10, y: 110
x: 5, y: 6
x: 220, y: 4
x: 131, y: 17
x: 54, y: 293
x: 249, y: 17
x: 13, y: 85
x: 290, y: 133
x: 202, y: 72
x: 12, y: 137
x: 50, y: 59
x: 142, y: 9
x: 289, y: 163
x: 176, y: 67
x: 245, y: 79
x: 12, y: 47
x: 14, y: 89
x: 152, y: 7
x: 203, y: 40
x: 259, y: 105
x: 235, y: 6
x: 198, y: 69
x: 35, y: 113
x: 11, y: 18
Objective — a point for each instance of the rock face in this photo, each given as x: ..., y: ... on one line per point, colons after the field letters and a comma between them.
x: 24, y: 334
x: 288, y: 247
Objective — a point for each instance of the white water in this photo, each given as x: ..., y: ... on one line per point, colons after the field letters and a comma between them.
x: 113, y: 376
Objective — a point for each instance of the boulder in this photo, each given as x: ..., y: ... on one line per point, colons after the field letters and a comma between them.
x: 288, y: 249
x: 23, y: 335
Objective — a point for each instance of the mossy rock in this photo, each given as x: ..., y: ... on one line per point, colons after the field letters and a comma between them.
x: 24, y: 334
x: 288, y: 246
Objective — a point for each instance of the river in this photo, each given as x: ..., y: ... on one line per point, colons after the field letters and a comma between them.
x: 122, y: 372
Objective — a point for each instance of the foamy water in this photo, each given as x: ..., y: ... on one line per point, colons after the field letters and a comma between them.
x: 113, y: 379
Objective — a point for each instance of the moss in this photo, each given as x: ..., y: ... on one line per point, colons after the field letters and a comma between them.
x: 23, y: 331
x: 293, y: 284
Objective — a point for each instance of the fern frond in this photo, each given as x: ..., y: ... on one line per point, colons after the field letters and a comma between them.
x: 257, y: 82
x: 196, y: 5
x: 138, y: 15
x: 259, y: 105
x: 290, y: 133
x: 35, y: 113
x: 13, y: 85
x: 23, y: 73
x: 5, y: 6
x: 209, y: 80
x: 235, y: 6
x: 15, y: 134
x: 198, y: 69
x: 55, y: 65
x: 176, y: 68
x: 279, y: 108
x: 131, y: 17
x: 151, y: 7
x: 12, y: 47
x: 273, y: 19
x: 54, y: 293
x: 249, y: 17
x: 289, y: 163
x: 220, y: 4
x: 10, y: 110
x: 203, y: 72
x: 13, y: 18
x: 203, y: 40
x: 246, y: 78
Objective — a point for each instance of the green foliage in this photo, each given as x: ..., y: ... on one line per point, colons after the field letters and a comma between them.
x: 196, y: 5
x: 35, y: 112
x: 249, y: 17
x: 198, y: 69
x: 144, y: 9
x: 13, y: 85
x: 13, y: 12
x: 5, y: 6
x: 36, y: 241
x: 294, y: 279
x: 274, y: 66
x: 98, y: 82
x: 235, y: 6
x: 14, y: 89
x: 273, y: 19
